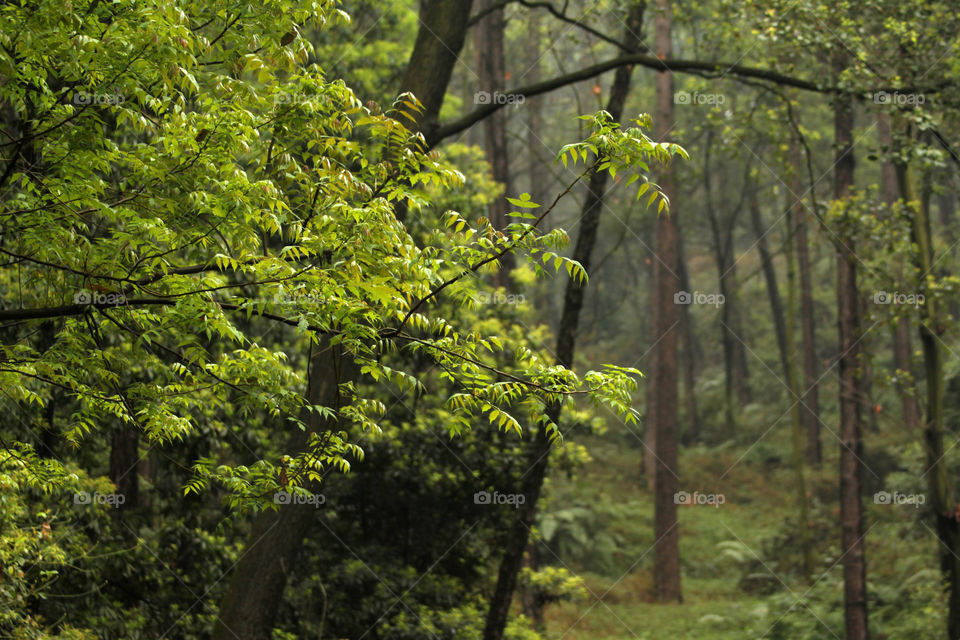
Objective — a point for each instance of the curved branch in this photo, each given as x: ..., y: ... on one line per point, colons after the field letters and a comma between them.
x: 703, y: 68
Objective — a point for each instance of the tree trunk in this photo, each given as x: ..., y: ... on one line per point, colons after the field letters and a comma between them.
x: 736, y: 389
x: 256, y: 588
x: 690, y: 357
x: 940, y: 484
x: 488, y: 41
x: 125, y: 463
x: 794, y: 209
x: 773, y: 290
x: 258, y: 579
x: 849, y: 326
x: 811, y: 397
x: 666, y: 283
x: 902, y: 350
x: 443, y: 28
x: 512, y: 561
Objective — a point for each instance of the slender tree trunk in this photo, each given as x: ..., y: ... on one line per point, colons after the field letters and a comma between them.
x: 666, y: 283
x: 811, y: 397
x: 794, y: 210
x: 849, y: 326
x: 902, y: 350
x: 513, y: 555
x: 690, y: 356
x: 773, y: 290
x: 736, y: 388
x: 940, y: 485
x: 125, y: 463
x: 258, y: 579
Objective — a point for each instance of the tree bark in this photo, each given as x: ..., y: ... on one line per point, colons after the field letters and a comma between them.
x: 491, y: 69
x: 773, y: 289
x: 811, y: 397
x: 736, y: 388
x: 666, y: 282
x: 902, y: 350
x: 256, y: 588
x: 940, y: 485
x: 443, y: 28
x: 512, y: 560
x: 849, y: 327
x: 258, y: 579
x: 691, y: 356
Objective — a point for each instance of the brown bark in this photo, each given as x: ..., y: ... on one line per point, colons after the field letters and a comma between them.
x: 736, y: 387
x: 258, y: 579
x: 773, y: 289
x: 256, y: 587
x: 513, y: 556
x: 491, y: 69
x: 849, y: 326
x: 811, y: 396
x: 443, y: 28
x: 666, y: 282
x: 690, y: 357
x: 942, y: 496
x: 125, y: 463
x: 902, y: 350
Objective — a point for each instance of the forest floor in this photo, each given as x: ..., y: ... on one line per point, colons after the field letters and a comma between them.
x: 741, y: 572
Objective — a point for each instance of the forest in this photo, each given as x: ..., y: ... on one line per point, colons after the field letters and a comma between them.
x: 479, y: 319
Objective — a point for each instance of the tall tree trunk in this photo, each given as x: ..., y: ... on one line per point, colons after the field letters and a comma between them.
x: 258, y: 579
x: 443, y: 28
x: 849, y: 326
x: 770, y: 277
x: 125, y: 464
x: 539, y: 455
x: 690, y: 357
x: 491, y: 69
x: 902, y: 350
x: 940, y: 485
x: 666, y: 282
x: 736, y: 389
x: 256, y: 587
x: 794, y: 211
x: 811, y: 397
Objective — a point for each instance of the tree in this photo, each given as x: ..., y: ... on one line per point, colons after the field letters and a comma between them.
x: 662, y: 420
